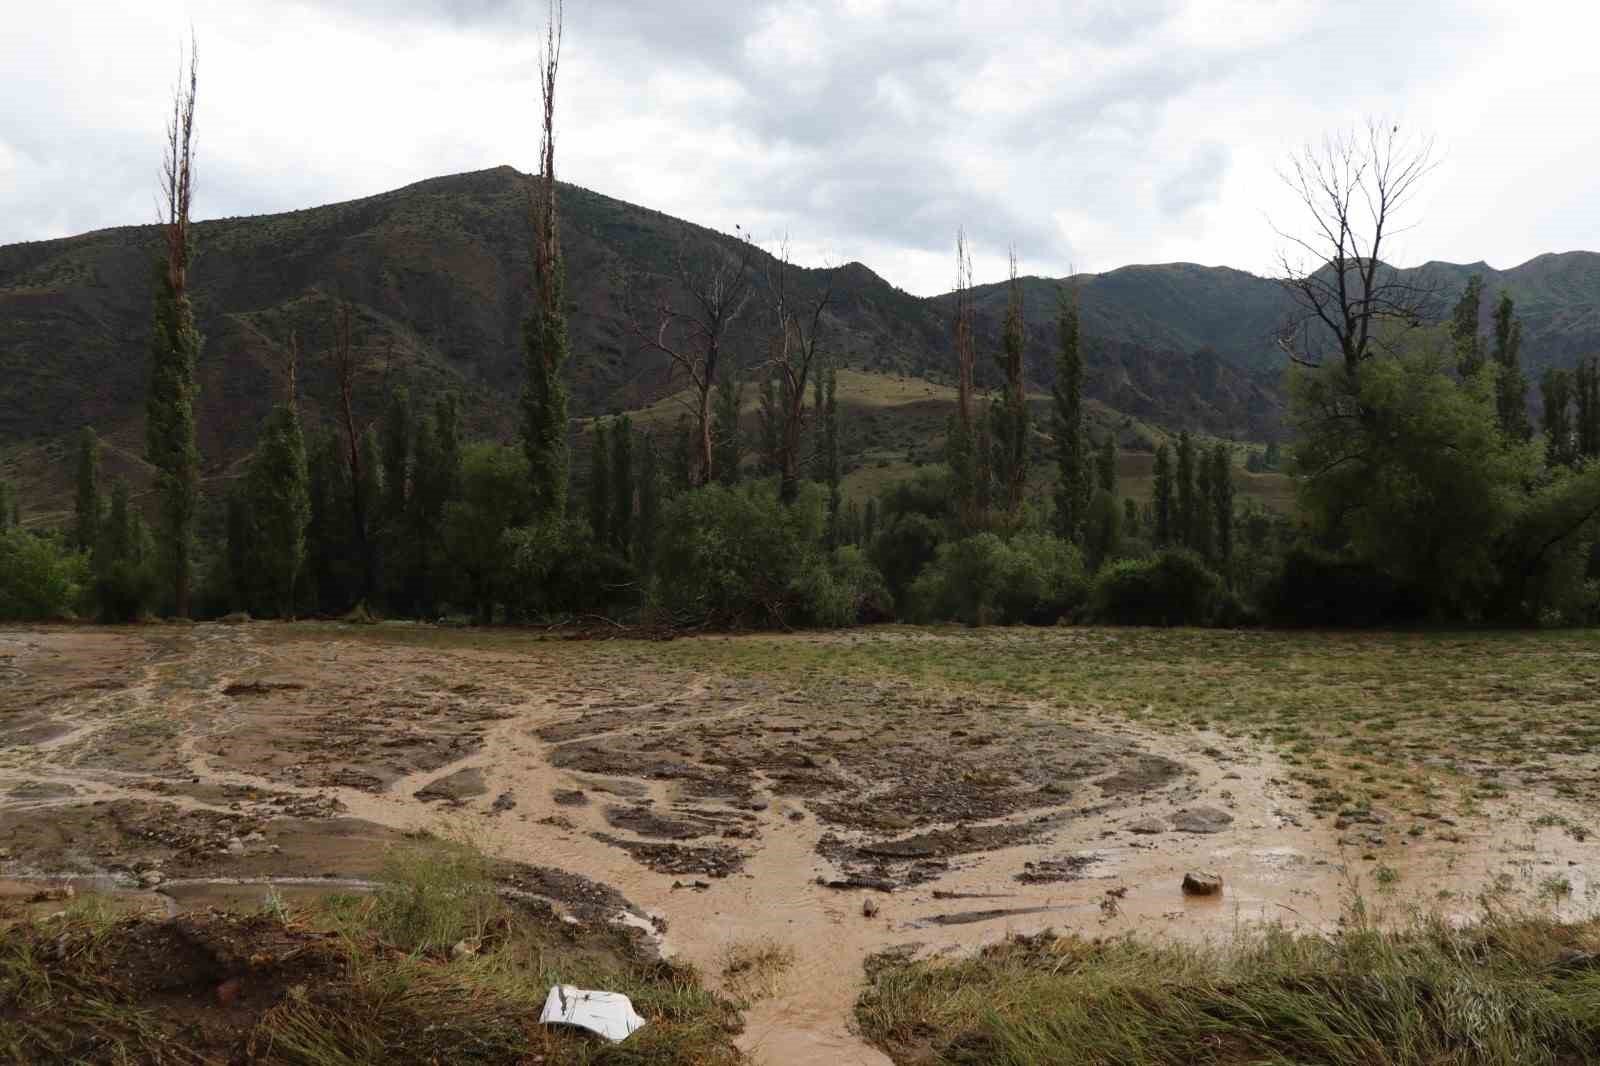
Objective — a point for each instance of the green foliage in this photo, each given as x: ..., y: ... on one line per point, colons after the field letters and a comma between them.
x: 87, y: 512
x: 727, y: 440
x: 1183, y: 529
x: 1033, y: 578
x: 1163, y: 499
x: 41, y: 579
x: 622, y: 486
x: 1314, y: 587
x: 1171, y: 588
x: 123, y: 563
x: 332, y: 563
x: 1586, y: 405
x: 644, y: 540
x: 394, y: 442
x: 831, y: 469
x: 494, y: 499
x: 1221, y: 502
x: 739, y: 558
x: 600, y: 485
x: 845, y: 589
x: 1103, y: 529
x: 170, y: 430
x: 1560, y: 442
x: 1464, y: 336
x: 433, y: 895
x: 7, y: 506
x: 1408, y: 467
x: 544, y: 399
x: 1511, y: 392
x: 558, y: 569
x: 280, y: 508
x: 1071, y: 497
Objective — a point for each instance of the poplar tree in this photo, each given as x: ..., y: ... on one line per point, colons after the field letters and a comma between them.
x: 622, y: 485
x: 174, y: 347
x: 1464, y: 328
x: 424, y: 517
x: 1163, y: 496
x: 830, y: 454
x: 545, y: 352
x: 1586, y: 401
x: 600, y: 486
x: 1067, y: 425
x: 1130, y: 517
x: 644, y: 538
x: 727, y: 443
x: 1010, y: 415
x: 771, y: 419
x: 1106, y: 464
x: 6, y: 505
x: 280, y: 506
x: 1560, y: 441
x: 241, y: 550
x: 88, y: 513
x: 396, y: 442
x: 1222, y: 493
x: 1201, y: 532
x: 1183, y: 527
x: 1511, y: 392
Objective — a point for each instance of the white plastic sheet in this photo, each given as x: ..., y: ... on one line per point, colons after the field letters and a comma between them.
x: 609, y: 1014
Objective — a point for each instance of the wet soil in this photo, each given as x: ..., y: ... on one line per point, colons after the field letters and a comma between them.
x: 781, y: 805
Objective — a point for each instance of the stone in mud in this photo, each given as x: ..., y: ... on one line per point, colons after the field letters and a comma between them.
x: 571, y: 797
x: 454, y: 788
x: 1201, y: 820
x: 1148, y: 826
x: 869, y: 908
x: 1201, y: 883
x: 504, y: 802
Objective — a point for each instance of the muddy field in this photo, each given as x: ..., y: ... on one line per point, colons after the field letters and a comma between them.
x: 711, y: 799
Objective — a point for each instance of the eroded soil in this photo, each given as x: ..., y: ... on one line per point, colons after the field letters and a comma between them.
x: 193, y: 762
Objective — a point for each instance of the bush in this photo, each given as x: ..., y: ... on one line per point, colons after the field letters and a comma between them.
x: 559, y: 569
x: 39, y: 578
x: 1318, y: 588
x: 984, y: 580
x: 846, y: 591
x: 737, y: 557
x: 906, y: 546
x: 1170, y: 588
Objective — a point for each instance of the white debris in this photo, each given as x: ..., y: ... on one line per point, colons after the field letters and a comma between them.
x: 609, y: 1014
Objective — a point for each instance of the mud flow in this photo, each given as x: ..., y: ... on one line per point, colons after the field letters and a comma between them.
x: 838, y: 820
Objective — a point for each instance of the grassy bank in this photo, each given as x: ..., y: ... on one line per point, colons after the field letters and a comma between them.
x: 435, y: 968
x: 1521, y: 991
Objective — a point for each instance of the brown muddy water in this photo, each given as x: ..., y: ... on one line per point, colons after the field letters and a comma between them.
x: 188, y: 766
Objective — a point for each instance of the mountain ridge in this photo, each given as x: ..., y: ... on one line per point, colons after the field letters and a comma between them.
x: 439, y: 274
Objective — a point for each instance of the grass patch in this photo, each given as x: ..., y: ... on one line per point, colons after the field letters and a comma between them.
x: 753, y: 970
x: 352, y: 980
x: 1511, y: 991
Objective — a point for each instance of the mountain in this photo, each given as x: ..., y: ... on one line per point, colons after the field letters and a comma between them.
x: 439, y: 275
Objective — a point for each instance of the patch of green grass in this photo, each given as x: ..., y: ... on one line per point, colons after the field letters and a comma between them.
x: 1491, y: 995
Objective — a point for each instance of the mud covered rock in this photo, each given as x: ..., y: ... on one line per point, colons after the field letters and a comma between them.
x: 1202, y: 883
x: 1201, y: 820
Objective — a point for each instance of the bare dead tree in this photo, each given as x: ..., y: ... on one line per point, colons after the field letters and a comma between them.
x: 689, y: 321
x: 350, y: 362
x: 1356, y: 188
x: 177, y: 175
x: 966, y: 351
x: 796, y: 322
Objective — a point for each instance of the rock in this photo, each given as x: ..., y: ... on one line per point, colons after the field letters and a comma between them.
x: 151, y: 878
x: 454, y: 789
x: 504, y: 802
x: 572, y: 797
x: 463, y: 949
x: 235, y: 846
x: 1148, y: 826
x: 1201, y: 883
x: 1201, y: 820
x: 53, y: 894
x: 869, y: 908
x: 228, y: 991
x: 255, y: 838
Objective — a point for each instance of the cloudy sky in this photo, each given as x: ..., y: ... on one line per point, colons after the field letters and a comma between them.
x: 1086, y: 134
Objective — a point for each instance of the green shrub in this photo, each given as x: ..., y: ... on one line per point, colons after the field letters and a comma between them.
x: 40, y: 579
x: 846, y: 591
x: 737, y: 557
x: 1318, y: 588
x: 984, y: 580
x: 1172, y: 587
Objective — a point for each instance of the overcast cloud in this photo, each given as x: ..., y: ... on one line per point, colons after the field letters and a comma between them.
x: 1088, y: 135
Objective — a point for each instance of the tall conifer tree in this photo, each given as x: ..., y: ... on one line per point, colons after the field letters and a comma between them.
x: 88, y: 511
x: 1067, y: 423
x: 622, y: 485
x: 170, y: 443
